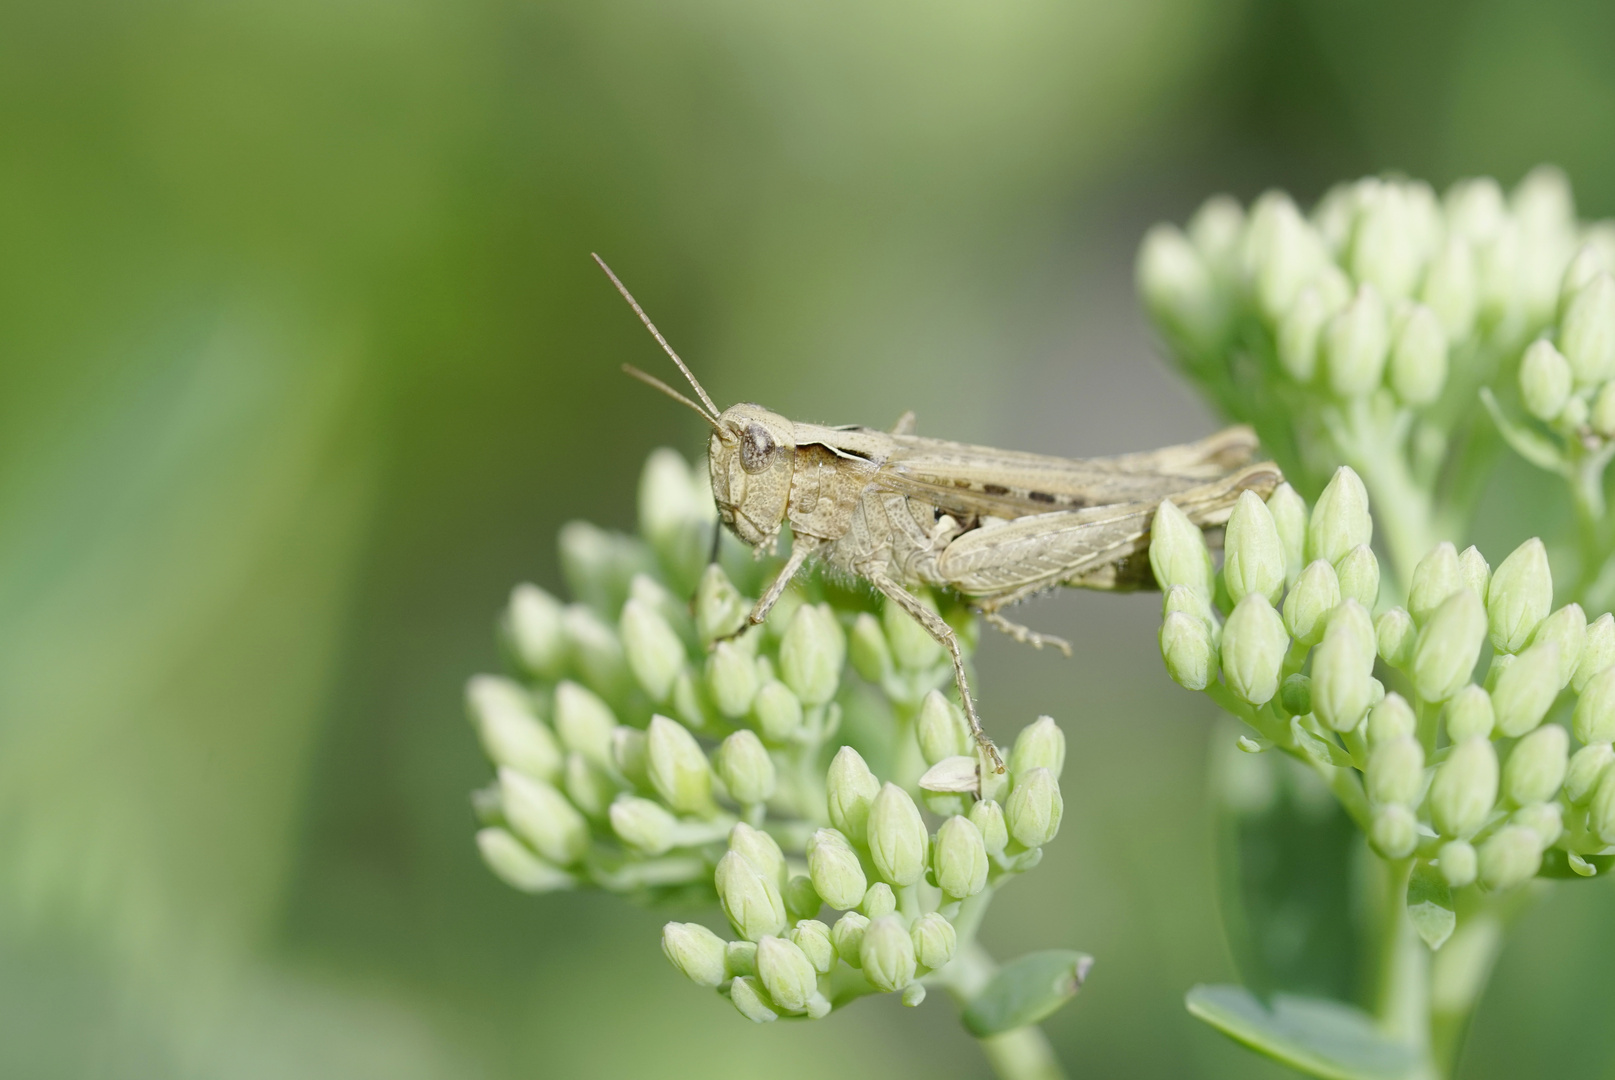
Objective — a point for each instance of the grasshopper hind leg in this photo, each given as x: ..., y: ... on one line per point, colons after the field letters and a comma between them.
x: 938, y: 628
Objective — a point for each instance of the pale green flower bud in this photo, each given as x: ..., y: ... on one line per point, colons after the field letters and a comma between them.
x: 750, y: 897
x: 812, y: 653
x: 1342, y: 669
x: 696, y: 951
x: 745, y: 768
x: 850, y: 789
x: 898, y: 842
x: 1387, y: 244
x: 1289, y: 512
x: 1458, y: 862
x: 1282, y: 252
x: 1520, y: 596
x: 934, y: 940
x: 1544, y: 380
x: 584, y: 722
x: 691, y: 704
x: 654, y: 652
x: 1253, y: 560
x: 912, y: 647
x: 1178, y: 554
x: 1298, y: 332
x: 761, y: 850
x: 1525, y: 691
x: 1355, y: 344
x: 1216, y: 230
x: 837, y: 875
x: 1295, y: 695
x: 847, y: 935
x: 595, y: 647
x: 677, y: 768
x: 988, y: 817
x: 1450, y: 288
x: 1448, y: 646
x: 1587, y: 331
x: 1177, y: 286
x: 1436, y: 577
x: 1469, y: 714
x: 1601, y: 811
x: 740, y: 957
x: 887, y: 954
x: 1464, y: 789
x: 1390, y: 720
x: 1594, y: 719
x: 1587, y: 264
x: 1474, y: 570
x: 1187, y: 648
x: 866, y: 648
x: 642, y: 824
x: 1395, y: 771
x: 778, y: 712
x: 1537, y: 766
x: 1510, y: 857
x: 960, y: 858
x: 813, y: 938
x: 802, y: 900
x: 1418, y: 364
x: 630, y: 753
x: 940, y: 729
x: 720, y: 610
x: 533, y: 629
x: 1254, y: 643
x: 747, y: 994
x: 1566, y: 629
x: 1546, y: 819
x: 1395, y: 637
x: 1040, y: 745
x: 1394, y: 832
x: 1034, y: 808
x: 1574, y: 416
x: 510, y: 733
x: 1597, y: 654
x: 1190, y: 602
x: 543, y: 817
x: 590, y: 787
x: 518, y: 867
x: 1602, y: 416
x: 1500, y: 664
x: 1586, y: 772
x: 786, y: 973
x: 731, y: 678
x: 1358, y: 573
x: 878, y: 900
x: 1340, y: 520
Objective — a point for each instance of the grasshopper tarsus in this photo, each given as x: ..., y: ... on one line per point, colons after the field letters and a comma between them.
x: 1025, y: 635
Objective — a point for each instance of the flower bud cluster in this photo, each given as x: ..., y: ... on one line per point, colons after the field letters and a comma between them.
x: 1483, y: 778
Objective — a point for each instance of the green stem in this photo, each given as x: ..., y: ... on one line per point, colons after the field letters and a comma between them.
x: 1021, y: 1054
x: 1402, y: 509
x: 1403, y: 992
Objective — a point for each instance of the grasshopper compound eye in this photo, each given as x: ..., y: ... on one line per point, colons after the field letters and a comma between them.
x: 756, y: 449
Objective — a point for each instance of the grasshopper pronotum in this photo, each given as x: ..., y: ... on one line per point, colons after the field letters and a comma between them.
x: 995, y: 526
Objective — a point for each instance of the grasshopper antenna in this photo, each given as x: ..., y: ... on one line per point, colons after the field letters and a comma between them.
x: 657, y: 334
x: 656, y: 384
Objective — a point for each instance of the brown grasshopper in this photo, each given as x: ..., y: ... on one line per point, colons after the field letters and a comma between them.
x: 995, y: 526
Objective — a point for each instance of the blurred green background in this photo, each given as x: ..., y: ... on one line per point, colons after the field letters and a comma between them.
x: 303, y: 361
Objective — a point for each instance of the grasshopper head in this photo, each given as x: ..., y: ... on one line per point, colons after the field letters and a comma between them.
x: 751, y: 456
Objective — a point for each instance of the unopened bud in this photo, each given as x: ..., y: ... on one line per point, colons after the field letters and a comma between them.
x: 595, y: 647
x: 878, y: 900
x: 1464, y: 789
x: 1437, y: 576
x: 813, y: 938
x: 694, y: 950
x: 1418, y: 364
x: 837, y: 875
x: 1567, y: 630
x: 898, y: 842
x: 1395, y: 637
x: 1289, y: 512
x: 1602, y: 415
x: 584, y: 722
x: 867, y: 649
x: 960, y: 858
x: 1586, y: 772
x: 1253, y: 559
x: 1295, y: 694
x: 1178, y: 287
x: 786, y: 973
x: 510, y: 733
x: 1340, y: 520
x: 1474, y: 570
x: 750, y: 897
x: 1546, y: 819
x: 543, y: 817
x: 1390, y: 720
x: 630, y: 754
x: 1545, y: 379
x: 1342, y: 669
x: 1594, y: 719
x: 720, y: 610
x: 761, y: 850
x: 850, y: 789
x: 1254, y: 643
x: 1034, y: 809
x: 934, y: 940
x: 940, y: 729
x: 654, y: 652
x: 847, y: 935
x: 1178, y: 554
x: 887, y: 953
x: 1520, y: 595
x: 1448, y: 646
x: 532, y: 626
x: 1525, y: 691
x: 778, y: 712
x: 1358, y: 572
x: 1450, y: 288
x: 1040, y: 745
x: 589, y: 786
x: 748, y: 996
x: 1469, y: 714
x: 1298, y: 333
x: 745, y: 768
x: 1537, y: 765
x: 1395, y: 772
x: 1587, y: 331
x: 988, y: 817
x: 1510, y: 857
x: 642, y: 824
x: 1598, y: 652
x: 1187, y: 648
x: 912, y: 646
x: 812, y: 653
x: 1394, y: 832
x: 1355, y: 344
x: 518, y: 867
x: 1314, y: 595
x: 677, y: 768
x: 1458, y: 863
x: 731, y: 678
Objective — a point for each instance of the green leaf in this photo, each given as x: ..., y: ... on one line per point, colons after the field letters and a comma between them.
x: 1556, y: 864
x: 1321, y: 1038
x: 1027, y: 990
x: 1430, y: 905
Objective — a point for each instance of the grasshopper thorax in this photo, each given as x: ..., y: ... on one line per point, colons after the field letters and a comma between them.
x: 751, y: 456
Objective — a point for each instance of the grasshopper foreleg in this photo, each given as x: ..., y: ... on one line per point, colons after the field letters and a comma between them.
x: 938, y: 628
x: 801, y: 548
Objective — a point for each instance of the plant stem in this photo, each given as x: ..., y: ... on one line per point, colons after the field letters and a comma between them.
x: 1021, y: 1054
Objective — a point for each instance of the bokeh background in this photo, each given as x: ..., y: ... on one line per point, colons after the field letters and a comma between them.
x: 303, y: 361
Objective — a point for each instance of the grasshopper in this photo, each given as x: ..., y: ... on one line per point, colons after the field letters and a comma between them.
x: 995, y: 526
